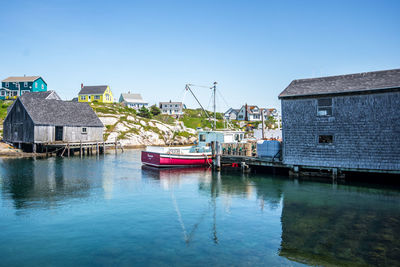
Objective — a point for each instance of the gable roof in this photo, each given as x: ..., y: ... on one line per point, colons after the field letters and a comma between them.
x: 133, y: 98
x: 96, y: 89
x: 43, y: 95
x: 349, y: 83
x: 58, y: 112
x: 21, y: 79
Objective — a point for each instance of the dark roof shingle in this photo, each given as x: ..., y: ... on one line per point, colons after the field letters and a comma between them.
x: 349, y: 83
x: 58, y: 112
x: 97, y: 89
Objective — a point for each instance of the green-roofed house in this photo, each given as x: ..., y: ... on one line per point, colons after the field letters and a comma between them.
x: 15, y: 86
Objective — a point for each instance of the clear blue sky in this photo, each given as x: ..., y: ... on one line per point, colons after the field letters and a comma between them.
x: 253, y: 49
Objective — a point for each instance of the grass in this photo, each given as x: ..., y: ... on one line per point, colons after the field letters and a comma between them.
x: 4, y: 104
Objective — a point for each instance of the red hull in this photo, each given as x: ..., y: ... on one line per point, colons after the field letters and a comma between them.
x: 174, y: 160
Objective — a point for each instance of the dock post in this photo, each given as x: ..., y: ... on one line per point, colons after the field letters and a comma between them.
x: 34, y: 148
x: 68, y: 150
x: 104, y: 147
x: 97, y: 148
x: 213, y: 154
x: 218, y: 155
x: 80, y: 149
x: 47, y: 151
x: 334, y: 174
x: 116, y: 146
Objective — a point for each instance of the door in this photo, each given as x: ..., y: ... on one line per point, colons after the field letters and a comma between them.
x: 59, y: 133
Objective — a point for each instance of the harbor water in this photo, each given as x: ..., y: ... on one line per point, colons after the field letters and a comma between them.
x: 110, y: 211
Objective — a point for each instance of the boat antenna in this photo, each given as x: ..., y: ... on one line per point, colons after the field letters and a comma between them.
x: 187, y: 87
x: 215, y: 107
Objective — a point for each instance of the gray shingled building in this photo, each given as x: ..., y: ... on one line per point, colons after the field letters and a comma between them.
x: 34, y: 118
x: 349, y: 122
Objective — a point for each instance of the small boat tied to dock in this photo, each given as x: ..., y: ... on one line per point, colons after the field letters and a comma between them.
x: 200, y: 154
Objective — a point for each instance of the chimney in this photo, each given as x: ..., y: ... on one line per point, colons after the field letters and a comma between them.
x: 81, y: 85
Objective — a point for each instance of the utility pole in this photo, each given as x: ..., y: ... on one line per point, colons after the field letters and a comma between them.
x: 215, y: 107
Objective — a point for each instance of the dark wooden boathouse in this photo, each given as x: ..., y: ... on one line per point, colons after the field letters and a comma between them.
x: 348, y: 122
x: 38, y: 119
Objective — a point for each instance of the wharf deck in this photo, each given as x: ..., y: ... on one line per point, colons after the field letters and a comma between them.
x: 253, y: 161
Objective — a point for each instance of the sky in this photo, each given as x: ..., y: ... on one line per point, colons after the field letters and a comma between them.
x: 252, y: 49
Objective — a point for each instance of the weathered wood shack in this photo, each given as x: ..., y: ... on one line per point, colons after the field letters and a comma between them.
x: 36, y: 119
x: 348, y: 121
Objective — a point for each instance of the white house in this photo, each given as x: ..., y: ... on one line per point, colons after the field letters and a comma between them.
x: 231, y: 114
x: 133, y: 101
x: 171, y: 108
x: 249, y: 113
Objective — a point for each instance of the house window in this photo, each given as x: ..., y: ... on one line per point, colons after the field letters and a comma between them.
x: 240, y: 117
x: 42, y: 86
x: 84, y: 130
x: 25, y: 84
x: 7, y: 84
x: 35, y: 84
x: 325, y: 139
x: 176, y: 106
x: 24, y: 91
x: 83, y: 97
x: 324, y: 107
x: 14, y: 93
x: 3, y: 93
x: 202, y: 137
x: 96, y: 97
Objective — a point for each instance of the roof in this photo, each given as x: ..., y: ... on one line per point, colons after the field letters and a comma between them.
x: 43, y: 95
x: 349, y: 83
x: 21, y: 79
x: 58, y: 112
x: 230, y: 110
x: 250, y: 109
x: 96, y: 89
x: 173, y: 103
x: 133, y: 98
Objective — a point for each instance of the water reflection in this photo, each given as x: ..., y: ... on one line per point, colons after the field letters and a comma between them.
x: 35, y: 183
x: 183, y: 216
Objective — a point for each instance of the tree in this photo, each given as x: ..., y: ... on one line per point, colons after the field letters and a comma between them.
x: 144, y: 112
x: 155, y: 110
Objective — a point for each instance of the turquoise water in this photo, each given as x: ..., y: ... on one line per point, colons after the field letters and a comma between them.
x: 109, y: 211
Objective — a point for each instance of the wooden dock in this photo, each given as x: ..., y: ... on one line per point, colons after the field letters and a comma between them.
x: 89, y: 148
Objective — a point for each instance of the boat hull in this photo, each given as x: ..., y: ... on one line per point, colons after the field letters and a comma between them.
x: 175, y: 160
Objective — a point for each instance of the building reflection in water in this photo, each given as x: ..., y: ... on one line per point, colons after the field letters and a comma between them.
x: 35, y: 183
x: 322, y: 224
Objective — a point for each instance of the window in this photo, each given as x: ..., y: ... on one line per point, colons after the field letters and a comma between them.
x: 325, y: 107
x: 96, y: 97
x: 24, y: 91
x: 7, y: 85
x: 14, y: 93
x: 42, y: 86
x: 176, y: 106
x: 83, y: 97
x: 35, y: 84
x: 202, y: 137
x: 3, y: 93
x: 25, y: 84
x: 240, y: 117
x: 325, y: 139
x: 84, y: 130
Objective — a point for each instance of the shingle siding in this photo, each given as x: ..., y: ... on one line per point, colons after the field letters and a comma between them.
x: 365, y: 128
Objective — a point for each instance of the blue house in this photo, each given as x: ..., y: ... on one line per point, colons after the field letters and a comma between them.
x: 12, y: 87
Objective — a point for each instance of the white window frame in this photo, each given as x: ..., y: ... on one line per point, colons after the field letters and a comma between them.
x: 84, y: 130
x: 3, y: 93
x: 324, y: 108
x: 7, y: 85
x: 83, y: 97
x: 25, y: 84
x: 42, y: 86
x: 35, y: 84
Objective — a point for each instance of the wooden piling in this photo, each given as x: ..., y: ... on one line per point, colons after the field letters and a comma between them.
x: 104, y: 147
x: 68, y: 150
x: 80, y: 149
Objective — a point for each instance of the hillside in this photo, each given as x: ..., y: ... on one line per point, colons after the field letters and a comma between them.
x: 126, y: 125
